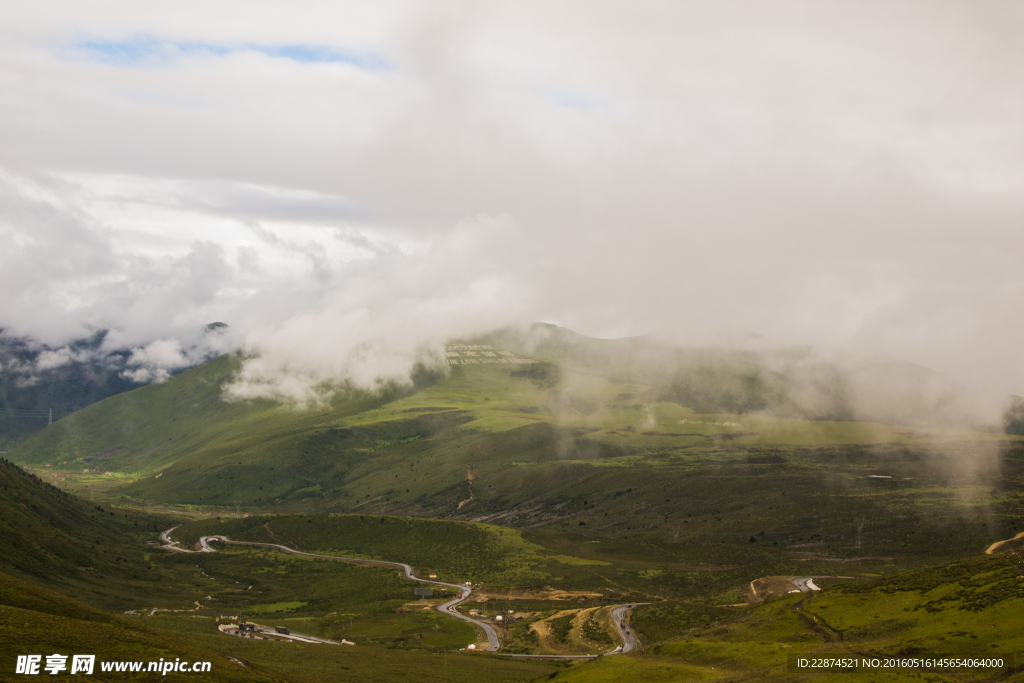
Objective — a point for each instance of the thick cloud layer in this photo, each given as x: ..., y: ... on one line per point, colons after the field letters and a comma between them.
x: 348, y: 187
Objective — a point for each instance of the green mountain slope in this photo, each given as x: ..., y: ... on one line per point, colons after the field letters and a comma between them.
x: 972, y: 608
x: 145, y: 429
x: 37, y: 621
x: 580, y: 445
x: 794, y: 382
x: 88, y: 550
x: 169, y: 603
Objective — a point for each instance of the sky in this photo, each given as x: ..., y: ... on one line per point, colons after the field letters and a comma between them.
x: 347, y: 185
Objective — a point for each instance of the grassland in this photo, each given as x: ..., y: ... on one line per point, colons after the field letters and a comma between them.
x: 487, y: 444
x: 558, y: 488
x: 925, y: 610
x: 174, y: 600
x: 454, y: 551
x: 302, y: 662
x: 683, y: 505
x: 34, y: 620
x: 968, y: 608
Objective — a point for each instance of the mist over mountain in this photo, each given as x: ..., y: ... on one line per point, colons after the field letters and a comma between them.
x: 688, y: 326
x: 755, y: 376
x: 679, y: 170
x: 39, y: 382
x: 749, y: 377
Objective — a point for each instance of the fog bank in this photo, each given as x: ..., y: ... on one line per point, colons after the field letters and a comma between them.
x: 350, y: 187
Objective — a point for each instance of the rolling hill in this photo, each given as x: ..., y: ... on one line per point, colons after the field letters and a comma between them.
x: 37, y: 621
x: 968, y: 610
x: 136, y: 602
x: 594, y: 437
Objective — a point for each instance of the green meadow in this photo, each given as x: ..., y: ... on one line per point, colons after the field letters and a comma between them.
x: 971, y: 608
x: 558, y: 488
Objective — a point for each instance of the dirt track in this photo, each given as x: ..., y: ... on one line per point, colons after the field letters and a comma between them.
x: 998, y: 544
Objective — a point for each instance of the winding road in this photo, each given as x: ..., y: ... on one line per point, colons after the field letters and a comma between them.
x: 618, y: 612
x: 619, y: 618
x: 447, y: 608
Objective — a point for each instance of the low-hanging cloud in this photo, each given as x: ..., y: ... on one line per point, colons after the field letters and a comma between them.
x: 840, y: 175
x: 159, y: 359
x: 382, y: 319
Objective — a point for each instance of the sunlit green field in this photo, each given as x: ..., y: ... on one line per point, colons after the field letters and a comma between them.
x: 971, y: 608
x: 558, y: 488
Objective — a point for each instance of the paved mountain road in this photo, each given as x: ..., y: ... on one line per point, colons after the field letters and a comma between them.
x: 619, y: 618
x: 447, y: 608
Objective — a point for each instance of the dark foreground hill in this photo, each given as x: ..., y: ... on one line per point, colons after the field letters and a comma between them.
x: 79, y: 547
x: 173, y: 602
x: 37, y: 621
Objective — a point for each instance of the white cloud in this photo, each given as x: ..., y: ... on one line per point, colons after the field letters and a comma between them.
x: 380, y: 321
x: 157, y: 360
x: 48, y: 360
x: 831, y: 173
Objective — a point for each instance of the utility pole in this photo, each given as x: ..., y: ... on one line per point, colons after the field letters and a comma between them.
x: 860, y: 530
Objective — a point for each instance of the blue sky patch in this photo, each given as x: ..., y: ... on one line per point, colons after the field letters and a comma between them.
x: 146, y: 51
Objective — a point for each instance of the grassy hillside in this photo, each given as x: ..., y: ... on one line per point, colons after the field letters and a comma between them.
x: 968, y: 608
x: 557, y: 487
x: 168, y: 603
x: 578, y: 447
x: 754, y: 376
x: 35, y: 620
x: 682, y: 546
x: 90, y: 550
